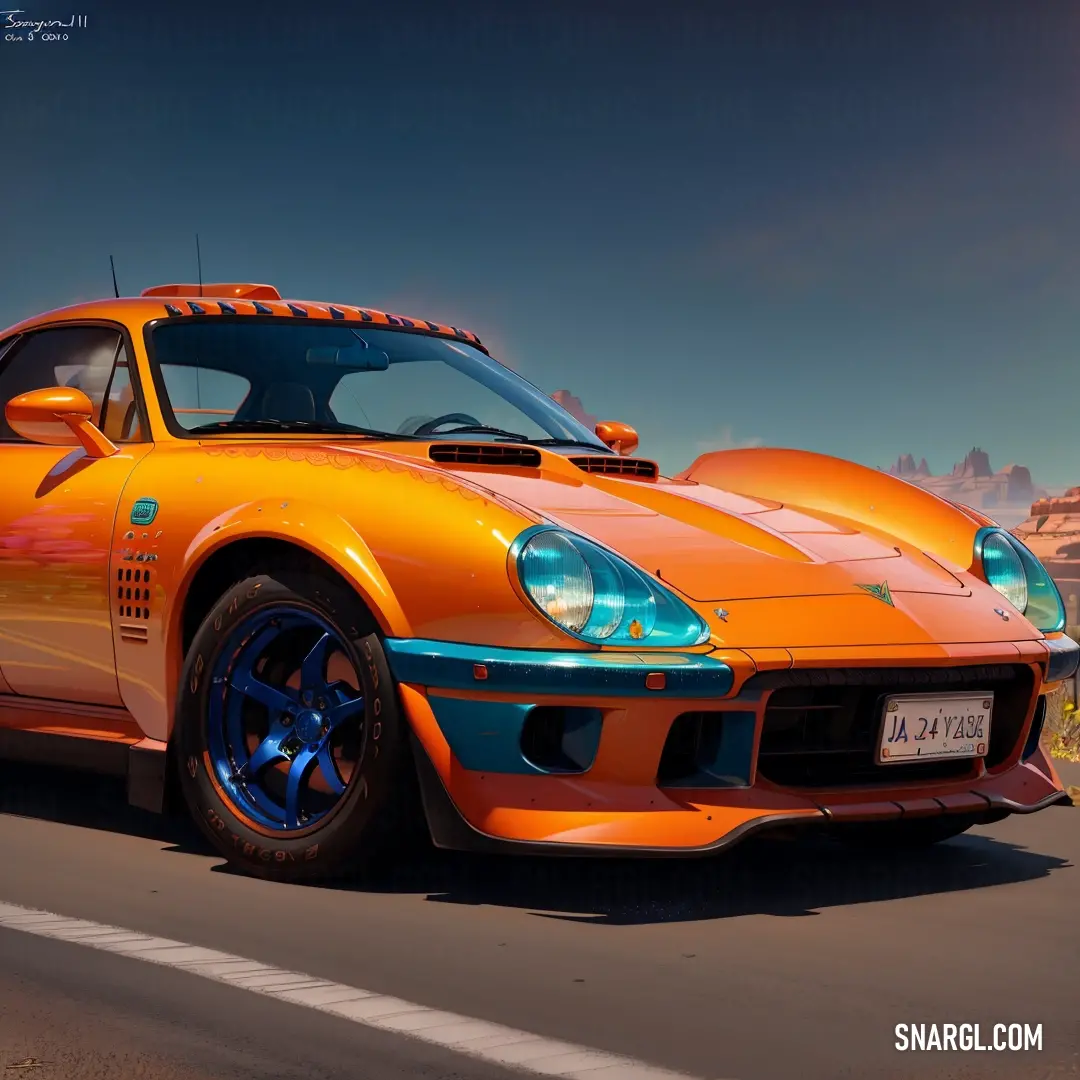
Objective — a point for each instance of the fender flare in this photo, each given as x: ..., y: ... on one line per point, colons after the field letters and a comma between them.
x: 309, y: 526
x: 323, y: 533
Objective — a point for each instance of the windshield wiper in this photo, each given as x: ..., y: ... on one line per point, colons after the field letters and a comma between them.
x: 571, y: 442
x: 502, y: 433
x: 309, y: 427
x: 483, y: 429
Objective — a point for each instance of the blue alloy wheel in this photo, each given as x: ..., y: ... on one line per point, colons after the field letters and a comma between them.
x: 285, y: 722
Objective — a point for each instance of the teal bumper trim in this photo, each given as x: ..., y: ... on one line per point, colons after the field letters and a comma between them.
x: 1064, y: 658
x: 486, y: 736
x: 448, y: 665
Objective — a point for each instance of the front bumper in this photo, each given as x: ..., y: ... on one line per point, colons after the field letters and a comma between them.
x: 571, y: 752
x: 1064, y: 658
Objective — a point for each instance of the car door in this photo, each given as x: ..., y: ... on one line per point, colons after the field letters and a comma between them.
x: 57, y: 512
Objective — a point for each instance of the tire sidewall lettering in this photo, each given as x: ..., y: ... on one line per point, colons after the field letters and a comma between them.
x: 252, y: 851
x: 196, y: 673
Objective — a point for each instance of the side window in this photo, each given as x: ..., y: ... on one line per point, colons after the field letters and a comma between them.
x: 203, y: 395
x: 79, y: 356
x: 119, y: 412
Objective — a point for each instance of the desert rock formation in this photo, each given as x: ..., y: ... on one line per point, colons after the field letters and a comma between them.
x: 574, y: 407
x: 973, y: 481
x: 1053, y: 535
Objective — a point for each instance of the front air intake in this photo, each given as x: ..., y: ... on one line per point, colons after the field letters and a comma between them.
x: 497, y: 455
x: 618, y: 466
x: 708, y: 750
x: 1035, y: 733
x: 561, y: 739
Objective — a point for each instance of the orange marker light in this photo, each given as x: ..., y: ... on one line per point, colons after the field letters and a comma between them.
x: 479, y: 671
x: 655, y: 680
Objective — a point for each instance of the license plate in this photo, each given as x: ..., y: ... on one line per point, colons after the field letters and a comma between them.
x: 929, y: 727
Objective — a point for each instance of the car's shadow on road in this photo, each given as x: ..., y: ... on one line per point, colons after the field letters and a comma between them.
x: 90, y: 802
x: 796, y: 877
x: 782, y: 877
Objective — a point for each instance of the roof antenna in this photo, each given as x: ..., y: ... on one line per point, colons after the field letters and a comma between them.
x: 116, y: 291
x: 198, y: 256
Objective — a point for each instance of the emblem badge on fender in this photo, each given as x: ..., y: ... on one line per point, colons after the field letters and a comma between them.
x: 880, y: 592
x: 721, y: 614
x: 144, y: 511
x: 1002, y: 612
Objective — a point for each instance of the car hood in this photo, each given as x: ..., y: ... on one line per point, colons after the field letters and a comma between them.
x: 743, y: 560
x: 716, y: 547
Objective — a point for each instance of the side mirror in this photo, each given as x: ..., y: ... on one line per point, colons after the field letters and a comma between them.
x: 58, y: 416
x: 621, y: 438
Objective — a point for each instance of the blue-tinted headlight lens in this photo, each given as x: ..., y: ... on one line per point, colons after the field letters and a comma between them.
x: 609, y: 594
x: 1045, y: 608
x: 1004, y: 570
x: 1019, y: 576
x: 598, y: 596
x: 557, y: 579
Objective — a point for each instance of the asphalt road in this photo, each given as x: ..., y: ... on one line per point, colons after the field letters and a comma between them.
x: 782, y: 959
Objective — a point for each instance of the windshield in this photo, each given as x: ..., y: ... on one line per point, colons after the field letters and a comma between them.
x: 234, y: 376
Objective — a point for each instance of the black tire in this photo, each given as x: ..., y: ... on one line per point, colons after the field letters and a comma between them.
x: 372, y: 807
x: 915, y: 833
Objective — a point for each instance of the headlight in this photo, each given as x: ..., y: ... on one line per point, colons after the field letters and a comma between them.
x: 1010, y: 568
x: 1004, y: 570
x: 597, y: 596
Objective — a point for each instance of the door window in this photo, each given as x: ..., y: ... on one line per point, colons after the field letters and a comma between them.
x: 90, y: 358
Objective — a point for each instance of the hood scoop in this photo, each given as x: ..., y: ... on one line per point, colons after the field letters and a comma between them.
x: 618, y: 466
x: 495, y: 455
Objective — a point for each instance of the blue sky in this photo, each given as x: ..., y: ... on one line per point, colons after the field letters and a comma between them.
x: 849, y: 227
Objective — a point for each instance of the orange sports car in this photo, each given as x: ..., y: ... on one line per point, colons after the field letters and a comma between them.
x: 321, y: 572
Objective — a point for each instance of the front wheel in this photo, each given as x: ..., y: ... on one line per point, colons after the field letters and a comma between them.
x: 290, y: 741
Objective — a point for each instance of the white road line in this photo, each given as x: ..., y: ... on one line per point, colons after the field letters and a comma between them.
x: 463, y: 1034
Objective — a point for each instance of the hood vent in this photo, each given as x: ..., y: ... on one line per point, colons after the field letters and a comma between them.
x: 497, y: 455
x: 618, y: 466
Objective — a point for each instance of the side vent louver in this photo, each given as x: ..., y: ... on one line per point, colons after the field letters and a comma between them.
x: 618, y: 466
x: 133, y: 602
x: 499, y: 455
